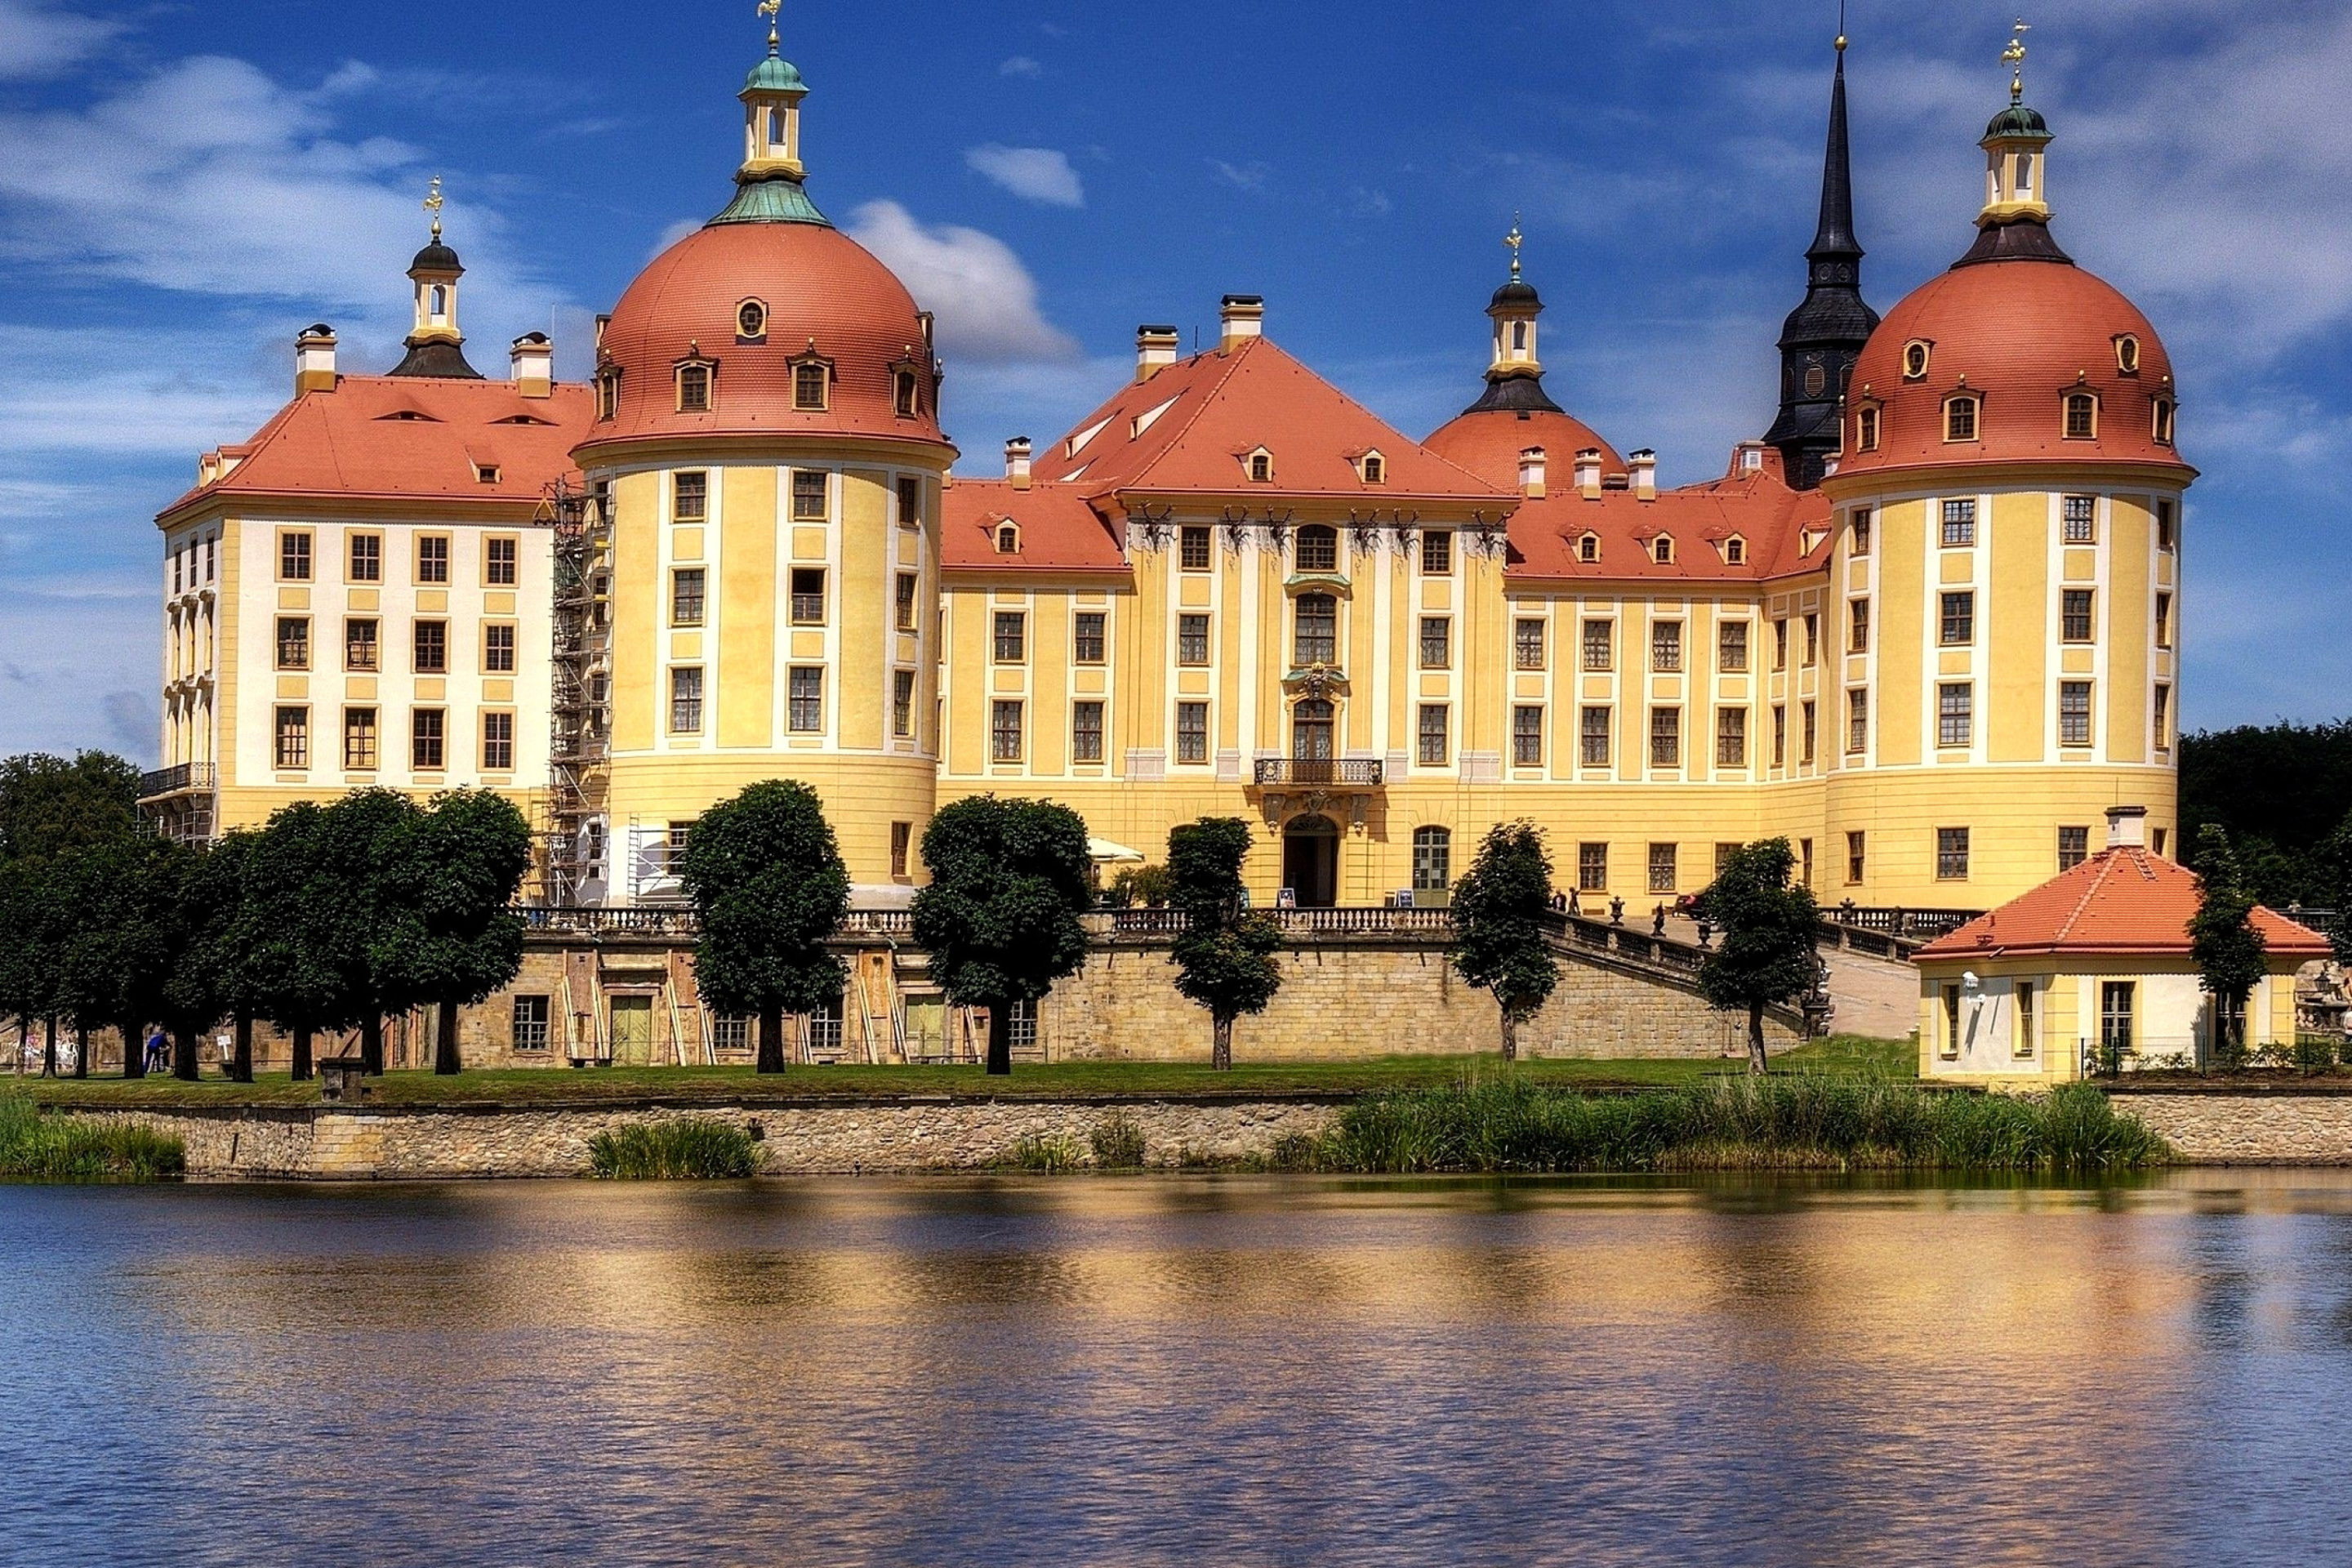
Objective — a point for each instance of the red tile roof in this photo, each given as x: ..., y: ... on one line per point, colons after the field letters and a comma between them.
x: 387, y: 438
x: 2123, y: 900
x: 1767, y: 517
x: 1059, y: 531
x: 1488, y: 443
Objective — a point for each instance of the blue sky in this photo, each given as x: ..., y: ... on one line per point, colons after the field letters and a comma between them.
x: 183, y: 185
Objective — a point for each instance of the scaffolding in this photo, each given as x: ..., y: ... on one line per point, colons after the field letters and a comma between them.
x: 580, y: 707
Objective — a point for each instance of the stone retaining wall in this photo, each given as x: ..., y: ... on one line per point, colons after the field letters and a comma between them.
x: 2248, y: 1129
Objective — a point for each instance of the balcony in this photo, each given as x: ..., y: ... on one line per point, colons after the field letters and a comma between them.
x: 1318, y: 773
x: 164, y: 783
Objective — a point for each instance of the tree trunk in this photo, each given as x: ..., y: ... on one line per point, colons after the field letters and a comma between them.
x: 81, y: 1051
x: 772, y: 1040
x: 445, y: 1040
x: 372, y: 1047
x: 1756, y: 1062
x: 184, y: 1062
x: 240, y: 1067
x: 134, y: 1051
x: 50, y: 1051
x: 1000, y: 1040
x: 1510, y: 1036
x: 1221, y: 1053
x: 303, y: 1064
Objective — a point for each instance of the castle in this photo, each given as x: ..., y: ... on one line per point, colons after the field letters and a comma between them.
x: 1924, y: 627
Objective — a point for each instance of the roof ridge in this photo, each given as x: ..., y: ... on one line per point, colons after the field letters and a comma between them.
x: 2091, y: 885
x: 1350, y: 400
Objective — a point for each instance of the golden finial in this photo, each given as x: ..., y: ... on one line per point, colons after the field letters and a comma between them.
x: 432, y: 205
x: 769, y: 8
x: 2014, y: 58
x: 1841, y: 37
x: 1515, y: 239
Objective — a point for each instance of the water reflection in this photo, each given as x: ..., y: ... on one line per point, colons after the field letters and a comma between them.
x: 1227, y: 1371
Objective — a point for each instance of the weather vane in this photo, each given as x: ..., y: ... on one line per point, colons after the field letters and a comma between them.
x: 1515, y: 239
x: 433, y: 203
x: 2014, y: 58
x: 769, y: 8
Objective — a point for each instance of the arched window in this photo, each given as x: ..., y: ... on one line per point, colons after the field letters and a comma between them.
x: 905, y: 393
x: 1432, y: 860
x: 1915, y: 354
x: 440, y: 301
x: 1865, y: 437
x: 608, y: 394
x: 1008, y: 539
x: 1518, y: 336
x: 1588, y: 548
x: 1261, y: 468
x: 1662, y: 550
x: 1319, y: 548
x: 1311, y: 730
x: 776, y: 128
x: 2082, y: 416
x: 2025, y: 177
x: 811, y: 381
x: 1314, y: 621
x: 1960, y: 417
x: 1376, y: 468
x: 694, y: 389
x: 2164, y: 421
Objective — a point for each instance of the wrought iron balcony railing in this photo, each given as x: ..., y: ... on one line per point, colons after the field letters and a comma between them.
x: 1318, y: 773
x: 180, y: 780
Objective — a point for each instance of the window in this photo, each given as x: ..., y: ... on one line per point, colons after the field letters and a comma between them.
x: 808, y: 595
x: 1959, y: 622
x: 1780, y: 736
x: 902, y: 844
x: 810, y: 384
x: 2073, y: 847
x: 1593, y: 868
x: 904, y: 394
x: 1088, y: 644
x: 1086, y: 732
x: 1858, y: 626
x: 1951, y: 854
x: 367, y: 558
x: 1731, y: 737
x: 1588, y: 548
x: 1665, y: 737
x: 2082, y: 416
x: 1526, y: 644
x: 1955, y: 714
x: 359, y: 644
x: 2164, y: 620
x: 1914, y: 359
x: 751, y: 319
x: 1310, y: 730
x: 1191, y: 732
x: 1600, y: 644
x: 427, y: 729
x: 2075, y: 618
x: 1854, y: 862
x: 2029, y: 1031
x: 531, y: 1023
x: 1662, y: 550
x: 805, y: 700
x: 1318, y: 549
x: 1734, y: 551
x: 729, y: 1032
x: 1191, y: 639
x: 1193, y: 548
x: 1948, y: 1045
x: 293, y: 737
x: 1376, y: 468
x: 2163, y: 430
x: 686, y: 591
x: 2074, y: 712
x: 497, y: 742
x: 1731, y: 647
x: 293, y: 559
x: 1005, y: 732
x: 432, y: 648
x: 1436, y: 642
x: 686, y: 701
x: 1527, y: 737
x: 1012, y: 636
x: 910, y: 501
x: 498, y: 649
x: 1662, y: 877
x: 690, y: 497
x: 1261, y: 468
x: 1436, y: 553
x: 501, y: 561
x: 1860, y: 531
x: 2127, y: 354
x: 2163, y: 726
x: 2164, y: 536
x: 433, y: 559
x: 1316, y: 630
x: 608, y: 393
x: 902, y: 703
x: 1857, y: 722
x: 1593, y: 730
x: 1959, y: 523
x: 293, y: 642
x: 1812, y: 639
x: 1961, y: 419
x: 1008, y: 541
x: 1810, y: 730
x: 909, y: 583
x: 1781, y: 644
x: 1865, y: 428
x: 2156, y: 842
x: 1433, y: 734
x: 809, y: 495
x: 1666, y: 647
x: 1432, y: 860
x: 2116, y: 1018
x: 2082, y: 519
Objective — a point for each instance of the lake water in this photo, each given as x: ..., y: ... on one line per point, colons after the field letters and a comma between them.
x: 1206, y: 1371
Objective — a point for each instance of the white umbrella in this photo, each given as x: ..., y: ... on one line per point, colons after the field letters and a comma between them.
x: 1104, y: 850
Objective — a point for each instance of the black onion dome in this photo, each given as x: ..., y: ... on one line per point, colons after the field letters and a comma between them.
x: 436, y: 258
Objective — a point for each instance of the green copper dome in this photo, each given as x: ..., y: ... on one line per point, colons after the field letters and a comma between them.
x: 774, y: 74
x: 2019, y: 120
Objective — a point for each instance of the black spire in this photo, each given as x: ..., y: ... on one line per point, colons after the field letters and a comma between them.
x: 1823, y: 336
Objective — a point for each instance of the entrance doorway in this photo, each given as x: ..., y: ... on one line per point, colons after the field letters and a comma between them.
x: 1310, y: 860
x: 632, y: 1031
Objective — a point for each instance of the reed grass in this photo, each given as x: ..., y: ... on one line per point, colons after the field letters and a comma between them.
x: 1118, y: 1141
x: 683, y: 1149
x: 40, y: 1147
x: 1044, y: 1154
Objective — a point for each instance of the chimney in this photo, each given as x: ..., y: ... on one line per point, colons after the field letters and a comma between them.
x: 533, y: 359
x: 1644, y: 464
x: 1016, y: 462
x: 314, y: 360
x: 1155, y: 350
x: 1531, y: 473
x: 1588, y: 472
x: 2126, y: 827
x: 1245, y: 317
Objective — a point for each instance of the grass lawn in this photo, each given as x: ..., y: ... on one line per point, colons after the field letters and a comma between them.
x: 1844, y: 1055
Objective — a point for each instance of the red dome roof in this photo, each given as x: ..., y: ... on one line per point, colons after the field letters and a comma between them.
x: 821, y: 289
x: 2022, y: 334
x: 1488, y: 444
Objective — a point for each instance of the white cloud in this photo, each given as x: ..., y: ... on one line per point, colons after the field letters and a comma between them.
x: 38, y: 41
x: 78, y: 671
x: 673, y: 233
x: 1021, y: 65
x: 986, y: 299
x: 1250, y: 176
x: 1033, y: 173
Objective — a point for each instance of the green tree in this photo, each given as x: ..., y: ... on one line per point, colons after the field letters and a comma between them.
x: 50, y: 810
x: 129, y: 905
x: 300, y: 935
x: 1224, y: 955
x: 767, y: 879
x: 448, y: 934
x: 1766, y: 954
x: 353, y: 837
x: 2332, y: 870
x: 1009, y: 880
x: 2223, y: 939
x: 1500, y: 907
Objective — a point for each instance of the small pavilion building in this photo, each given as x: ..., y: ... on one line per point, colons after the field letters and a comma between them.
x: 2094, y: 960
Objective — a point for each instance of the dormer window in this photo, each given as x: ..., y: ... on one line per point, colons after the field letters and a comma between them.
x: 694, y: 388
x: 1374, y: 468
x: 905, y: 393
x: 608, y: 393
x: 1008, y: 539
x: 1662, y: 550
x: 1916, y: 355
x: 2082, y: 416
x: 1260, y: 467
x: 750, y: 322
x: 1735, y: 551
x: 1588, y: 549
x: 1865, y: 428
x: 1961, y: 417
x: 2127, y: 354
x: 2163, y: 422
x: 486, y: 473
x: 811, y: 385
